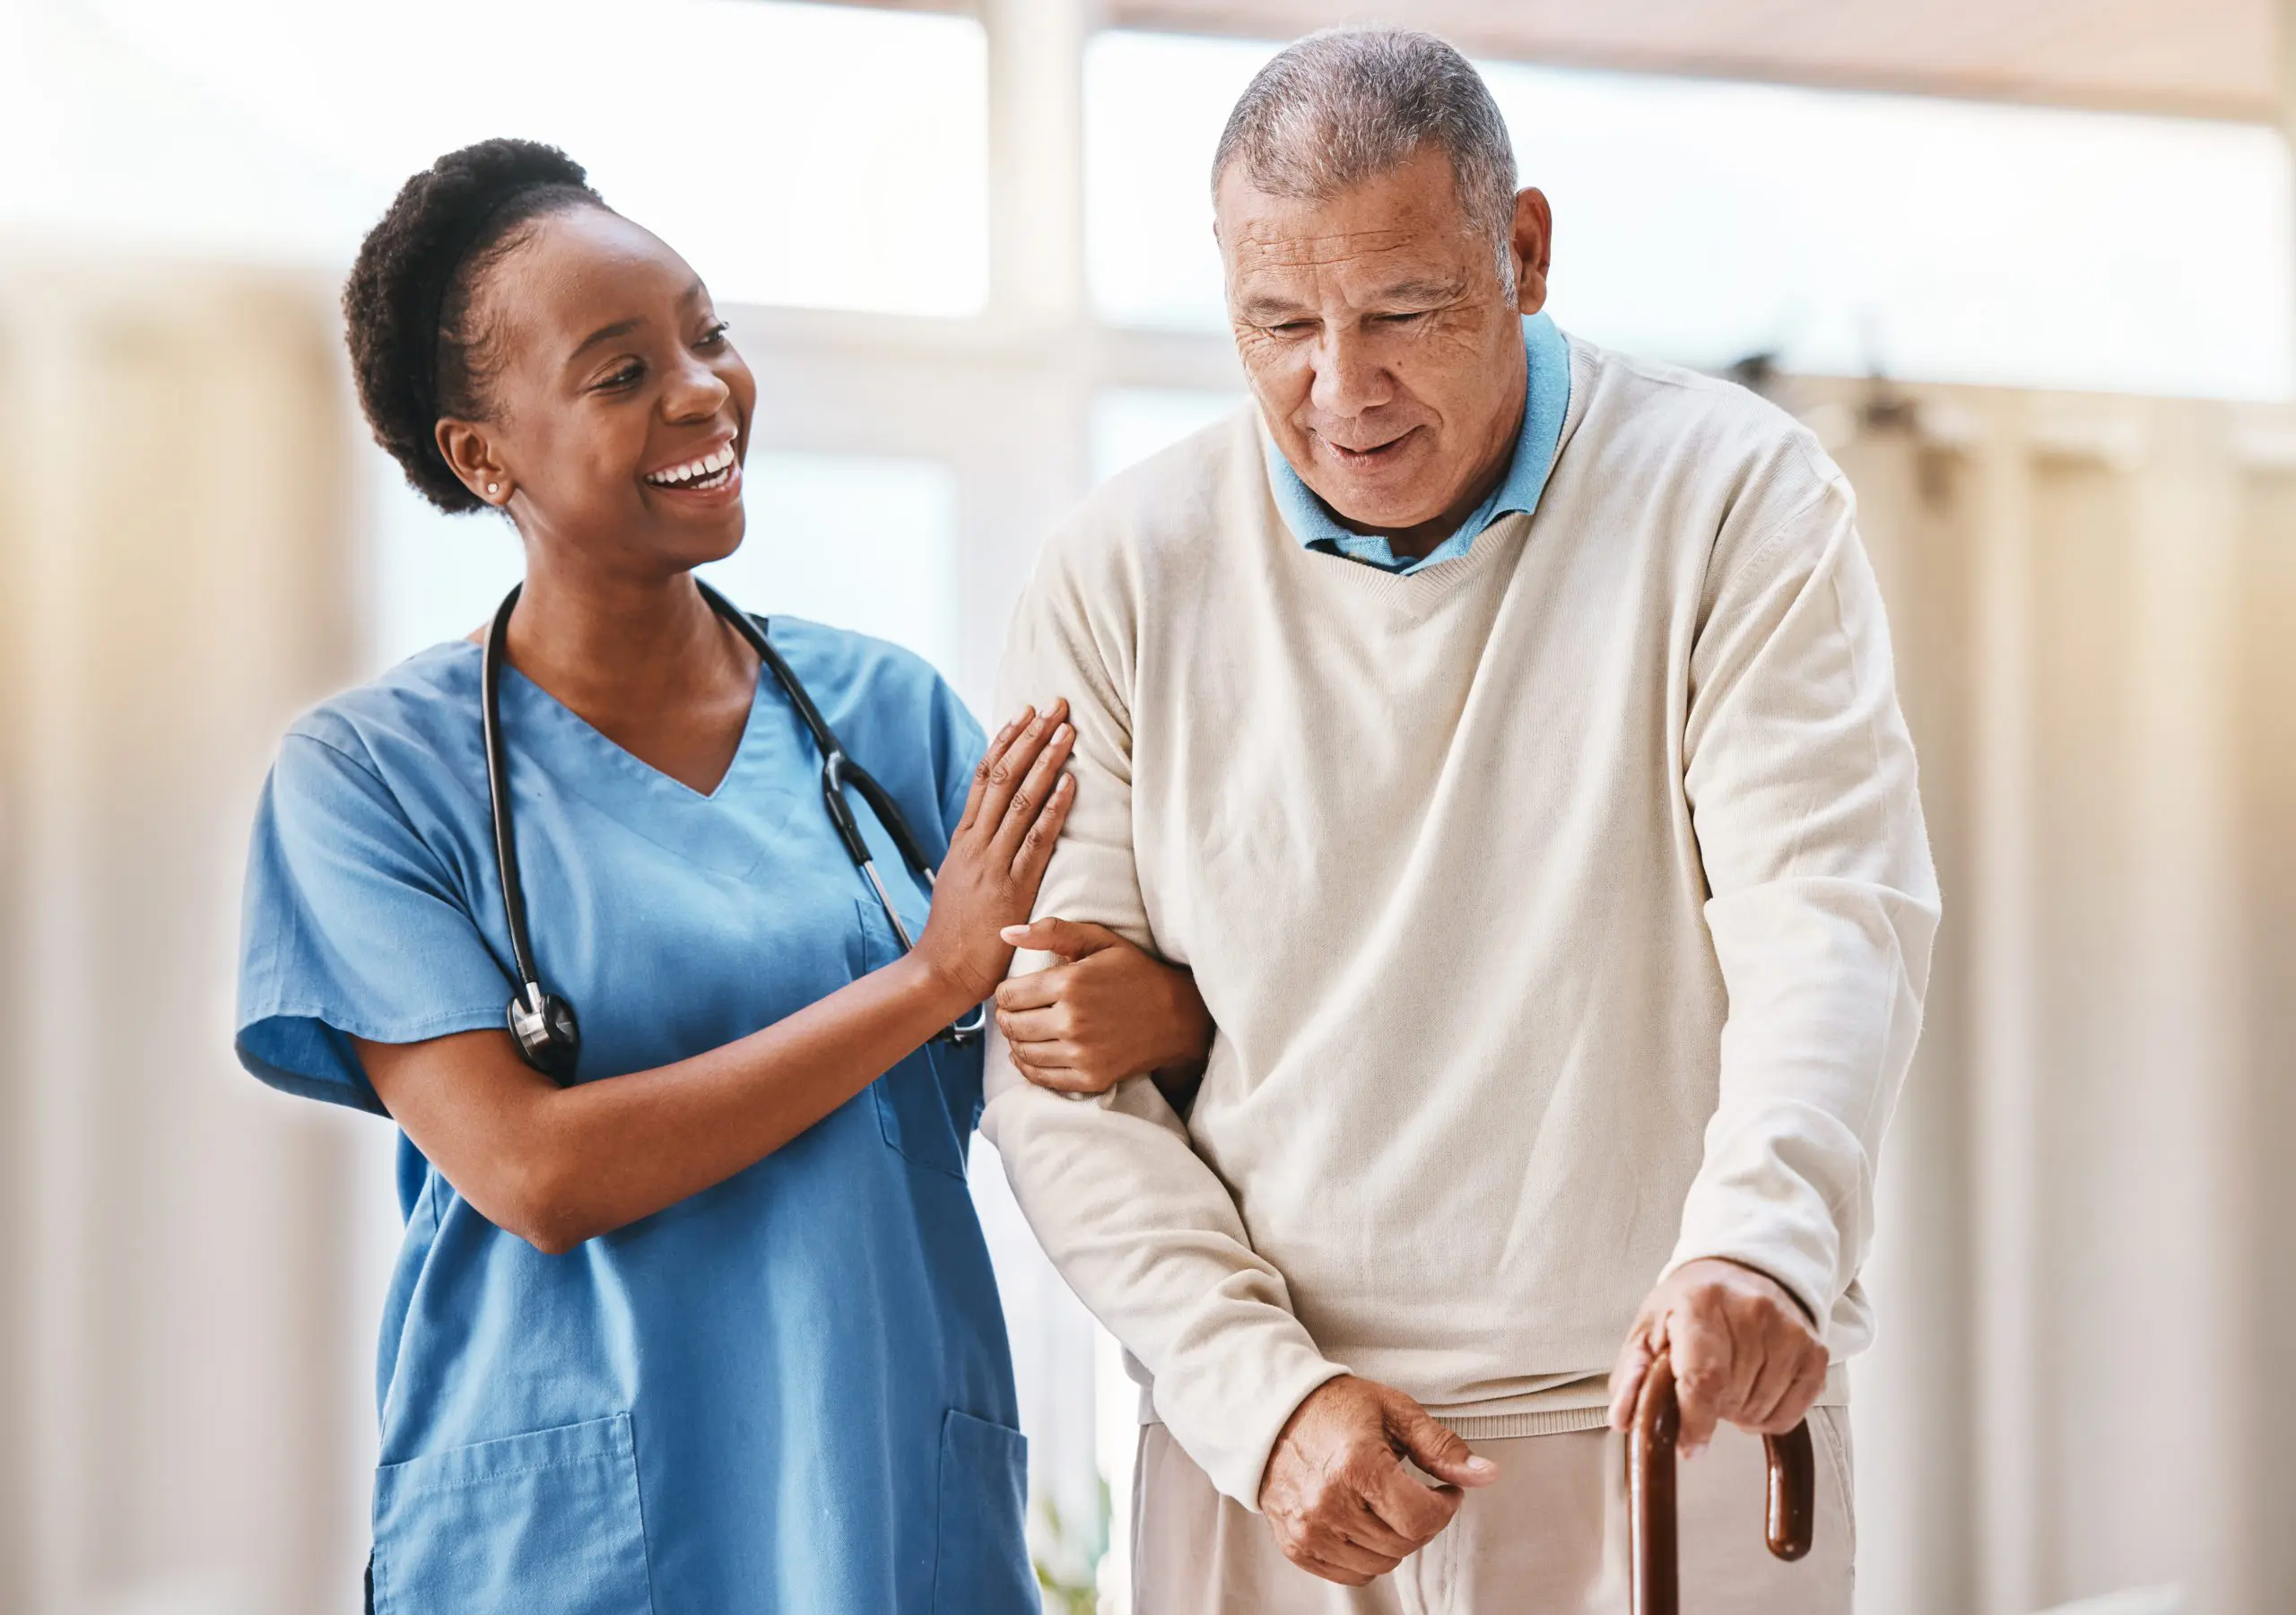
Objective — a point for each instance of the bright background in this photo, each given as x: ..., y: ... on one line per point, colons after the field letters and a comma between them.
x: 971, y: 262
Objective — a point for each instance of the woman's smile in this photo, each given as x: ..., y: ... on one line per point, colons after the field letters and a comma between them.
x: 711, y: 479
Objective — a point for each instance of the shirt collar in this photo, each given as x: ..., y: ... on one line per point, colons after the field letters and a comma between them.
x: 1546, y: 402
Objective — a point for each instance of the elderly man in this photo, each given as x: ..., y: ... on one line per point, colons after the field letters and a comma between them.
x: 1504, y: 732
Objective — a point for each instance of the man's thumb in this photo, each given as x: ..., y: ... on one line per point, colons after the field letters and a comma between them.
x: 1440, y: 1452
x: 1067, y: 938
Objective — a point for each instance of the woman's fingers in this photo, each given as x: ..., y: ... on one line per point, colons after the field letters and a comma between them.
x: 1039, y: 989
x: 996, y: 750
x: 1047, y: 1025
x: 1032, y: 799
x: 1004, y: 771
x: 1037, y: 842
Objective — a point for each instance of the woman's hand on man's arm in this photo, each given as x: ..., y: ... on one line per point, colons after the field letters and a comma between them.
x: 1105, y: 1012
x: 556, y: 1165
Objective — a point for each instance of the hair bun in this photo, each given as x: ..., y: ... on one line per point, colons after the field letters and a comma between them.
x: 405, y: 303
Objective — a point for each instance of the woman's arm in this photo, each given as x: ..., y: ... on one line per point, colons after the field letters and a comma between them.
x: 1106, y: 1012
x: 559, y: 1165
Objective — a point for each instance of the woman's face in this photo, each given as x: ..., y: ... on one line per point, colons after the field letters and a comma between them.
x: 617, y: 412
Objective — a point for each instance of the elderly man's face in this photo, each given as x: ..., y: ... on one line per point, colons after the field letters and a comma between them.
x: 1380, y: 341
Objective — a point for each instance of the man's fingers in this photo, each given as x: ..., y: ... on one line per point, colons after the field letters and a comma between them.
x: 1436, y: 1450
x: 1415, y: 1511
x: 1801, y: 1396
x: 1331, y: 1545
x: 1705, y: 1364
x: 1634, y: 1358
x: 1071, y: 939
x: 1330, y: 1572
x: 1781, y: 1361
x: 1367, y: 1528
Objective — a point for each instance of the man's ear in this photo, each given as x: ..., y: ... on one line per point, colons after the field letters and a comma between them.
x: 1532, y: 244
x: 471, y: 456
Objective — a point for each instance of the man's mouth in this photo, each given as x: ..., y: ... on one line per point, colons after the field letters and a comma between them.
x: 1368, y: 455
x: 707, y: 473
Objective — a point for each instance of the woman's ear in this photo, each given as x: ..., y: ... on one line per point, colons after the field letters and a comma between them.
x: 471, y: 456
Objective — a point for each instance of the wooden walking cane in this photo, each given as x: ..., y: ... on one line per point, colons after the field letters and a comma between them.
x: 1652, y: 1546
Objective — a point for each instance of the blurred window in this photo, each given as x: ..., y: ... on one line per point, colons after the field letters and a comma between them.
x: 795, y: 154
x: 865, y: 542
x: 1701, y: 222
x: 1128, y: 424
x: 859, y: 542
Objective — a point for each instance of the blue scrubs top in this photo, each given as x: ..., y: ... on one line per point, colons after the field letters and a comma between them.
x: 790, y: 1393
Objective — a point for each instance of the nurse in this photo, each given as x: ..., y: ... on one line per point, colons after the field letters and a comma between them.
x: 710, y: 1328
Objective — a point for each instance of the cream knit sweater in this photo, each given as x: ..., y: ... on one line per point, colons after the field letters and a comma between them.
x: 1565, y: 910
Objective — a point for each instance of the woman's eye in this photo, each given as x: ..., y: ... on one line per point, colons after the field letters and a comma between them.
x: 715, y: 337
x: 623, y: 377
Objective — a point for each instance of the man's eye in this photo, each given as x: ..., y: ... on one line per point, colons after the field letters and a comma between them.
x: 1293, y: 327
x: 1402, y: 319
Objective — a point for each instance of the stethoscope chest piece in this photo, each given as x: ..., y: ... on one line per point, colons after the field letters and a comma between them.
x: 547, y: 1033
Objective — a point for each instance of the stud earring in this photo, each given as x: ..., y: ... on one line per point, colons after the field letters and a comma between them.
x: 494, y: 487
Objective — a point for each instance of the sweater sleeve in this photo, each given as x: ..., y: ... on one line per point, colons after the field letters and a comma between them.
x: 1140, y: 1227
x: 1821, y: 903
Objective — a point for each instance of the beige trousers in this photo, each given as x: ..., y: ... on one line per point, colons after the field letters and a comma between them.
x: 1548, y: 1537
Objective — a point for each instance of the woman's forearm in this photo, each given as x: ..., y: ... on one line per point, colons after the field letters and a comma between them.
x: 559, y: 1165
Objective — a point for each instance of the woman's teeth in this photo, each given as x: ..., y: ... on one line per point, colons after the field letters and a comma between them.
x: 708, y: 472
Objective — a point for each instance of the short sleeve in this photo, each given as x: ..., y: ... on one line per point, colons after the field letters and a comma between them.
x: 350, y: 928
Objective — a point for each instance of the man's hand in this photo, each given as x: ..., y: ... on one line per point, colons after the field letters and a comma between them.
x: 1336, y: 1494
x: 1743, y: 1350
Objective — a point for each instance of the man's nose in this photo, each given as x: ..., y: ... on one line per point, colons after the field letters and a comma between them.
x: 1349, y: 379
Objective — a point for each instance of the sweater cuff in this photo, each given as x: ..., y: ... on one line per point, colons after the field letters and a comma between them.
x: 1226, y: 1415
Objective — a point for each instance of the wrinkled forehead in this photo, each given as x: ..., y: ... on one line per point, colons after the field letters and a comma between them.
x: 1386, y: 231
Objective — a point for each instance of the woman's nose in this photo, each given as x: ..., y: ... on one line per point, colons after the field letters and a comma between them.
x: 694, y: 393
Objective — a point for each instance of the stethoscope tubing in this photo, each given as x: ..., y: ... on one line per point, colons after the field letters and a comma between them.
x: 840, y: 772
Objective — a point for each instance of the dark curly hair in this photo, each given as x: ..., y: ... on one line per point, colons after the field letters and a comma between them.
x: 406, y: 307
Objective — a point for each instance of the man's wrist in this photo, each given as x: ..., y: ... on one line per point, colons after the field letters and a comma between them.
x: 1773, y: 1280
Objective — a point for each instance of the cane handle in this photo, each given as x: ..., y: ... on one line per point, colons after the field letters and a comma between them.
x: 1653, y: 1553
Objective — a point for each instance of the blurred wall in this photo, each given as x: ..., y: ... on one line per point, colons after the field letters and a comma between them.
x: 177, y: 1387
x: 2086, y: 1293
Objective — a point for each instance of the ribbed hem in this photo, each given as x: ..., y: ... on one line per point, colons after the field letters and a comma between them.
x: 1547, y: 1421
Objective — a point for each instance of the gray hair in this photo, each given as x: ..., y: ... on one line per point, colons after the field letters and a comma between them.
x: 1344, y: 105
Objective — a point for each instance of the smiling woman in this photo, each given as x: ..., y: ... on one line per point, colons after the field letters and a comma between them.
x: 692, y: 1305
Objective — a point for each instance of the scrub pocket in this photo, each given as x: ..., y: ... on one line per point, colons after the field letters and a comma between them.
x: 982, y: 1566
x: 548, y: 1521
x: 912, y: 1106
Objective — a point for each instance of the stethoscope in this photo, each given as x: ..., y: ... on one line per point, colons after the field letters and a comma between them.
x: 542, y: 1023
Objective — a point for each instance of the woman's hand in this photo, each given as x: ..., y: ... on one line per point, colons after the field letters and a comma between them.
x: 996, y: 858
x: 1107, y: 1012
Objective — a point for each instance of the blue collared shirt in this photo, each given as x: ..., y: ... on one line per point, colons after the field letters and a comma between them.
x: 1547, y: 400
